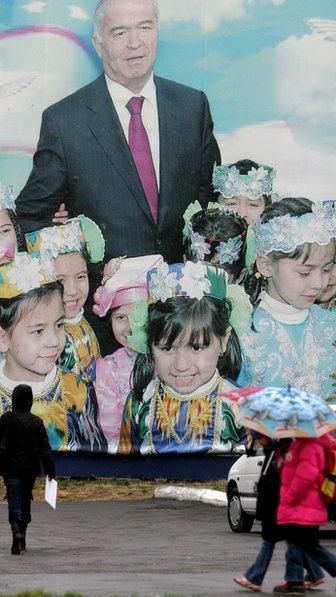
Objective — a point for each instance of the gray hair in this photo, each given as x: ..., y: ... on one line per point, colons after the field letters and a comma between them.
x: 98, y: 17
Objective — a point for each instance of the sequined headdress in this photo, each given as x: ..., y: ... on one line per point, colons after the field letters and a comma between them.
x: 75, y: 235
x: 7, y: 198
x: 229, y: 182
x: 285, y: 233
x: 194, y: 280
x: 225, y: 251
x: 23, y: 274
x: 197, y: 280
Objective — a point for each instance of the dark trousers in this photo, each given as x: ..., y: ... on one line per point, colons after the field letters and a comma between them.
x: 294, y: 564
x: 19, y: 496
x: 305, y: 539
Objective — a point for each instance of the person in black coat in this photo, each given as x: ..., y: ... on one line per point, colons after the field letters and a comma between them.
x: 23, y: 443
x: 268, y: 495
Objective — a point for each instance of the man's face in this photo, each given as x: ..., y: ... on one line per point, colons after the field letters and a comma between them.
x: 128, y: 42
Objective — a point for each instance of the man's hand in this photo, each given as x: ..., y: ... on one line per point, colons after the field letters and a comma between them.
x: 61, y: 215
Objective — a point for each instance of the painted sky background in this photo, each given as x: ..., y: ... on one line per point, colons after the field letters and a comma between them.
x: 267, y: 66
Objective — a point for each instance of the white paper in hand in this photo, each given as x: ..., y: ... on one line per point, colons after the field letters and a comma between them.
x: 50, y: 494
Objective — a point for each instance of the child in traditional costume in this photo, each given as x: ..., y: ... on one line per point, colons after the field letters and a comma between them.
x: 71, y: 245
x: 122, y: 297
x: 221, y: 237
x: 32, y: 337
x: 217, y: 236
x: 291, y: 341
x: 177, y: 404
x: 244, y: 186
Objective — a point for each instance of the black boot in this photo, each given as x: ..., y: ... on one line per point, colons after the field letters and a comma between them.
x: 17, y: 537
x: 23, y: 528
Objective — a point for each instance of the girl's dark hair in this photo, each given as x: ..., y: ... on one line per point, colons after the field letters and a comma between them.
x: 218, y: 225
x: 244, y: 166
x: 292, y: 206
x: 21, y: 243
x: 13, y: 309
x: 204, y: 318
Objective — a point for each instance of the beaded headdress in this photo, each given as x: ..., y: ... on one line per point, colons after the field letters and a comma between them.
x: 225, y: 251
x: 24, y: 273
x: 7, y: 198
x: 124, y: 281
x: 285, y: 233
x: 196, y: 280
x: 75, y: 235
x: 230, y: 183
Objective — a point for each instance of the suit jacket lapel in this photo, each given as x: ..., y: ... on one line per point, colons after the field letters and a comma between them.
x: 169, y: 126
x: 105, y: 125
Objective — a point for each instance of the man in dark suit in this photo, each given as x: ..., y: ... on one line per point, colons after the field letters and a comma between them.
x: 83, y: 158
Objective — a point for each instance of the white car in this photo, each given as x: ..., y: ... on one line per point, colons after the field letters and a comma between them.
x: 241, y: 492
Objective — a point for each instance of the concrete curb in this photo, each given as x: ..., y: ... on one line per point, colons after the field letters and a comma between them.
x: 207, y: 496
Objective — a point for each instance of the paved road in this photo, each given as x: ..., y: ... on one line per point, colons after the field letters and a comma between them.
x: 147, y: 548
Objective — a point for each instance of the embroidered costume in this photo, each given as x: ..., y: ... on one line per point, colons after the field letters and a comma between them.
x: 67, y: 406
x: 81, y: 345
x: 112, y: 384
x: 124, y: 283
x: 77, y: 235
x: 165, y: 421
x: 66, y: 402
x: 289, y: 346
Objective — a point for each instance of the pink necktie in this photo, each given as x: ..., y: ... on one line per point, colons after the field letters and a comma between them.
x: 141, y: 153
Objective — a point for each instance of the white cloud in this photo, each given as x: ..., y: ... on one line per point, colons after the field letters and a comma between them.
x: 77, y: 12
x: 302, y: 169
x: 42, y: 80
x: 208, y: 14
x: 306, y: 77
x: 35, y: 6
x: 324, y: 27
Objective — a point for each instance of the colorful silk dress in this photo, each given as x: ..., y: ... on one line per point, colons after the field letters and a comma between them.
x: 112, y: 384
x: 288, y: 346
x: 67, y: 406
x: 81, y: 345
x: 164, y: 421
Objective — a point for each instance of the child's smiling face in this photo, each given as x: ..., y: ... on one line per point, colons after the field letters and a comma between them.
x: 120, y: 324
x: 185, y: 368
x: 8, y: 240
x: 71, y: 271
x: 36, y: 341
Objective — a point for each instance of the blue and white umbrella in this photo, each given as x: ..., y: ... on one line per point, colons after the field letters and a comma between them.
x: 286, y: 412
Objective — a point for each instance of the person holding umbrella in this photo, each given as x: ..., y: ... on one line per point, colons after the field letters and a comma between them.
x: 289, y: 413
x: 271, y: 532
x: 302, y: 508
x: 23, y: 442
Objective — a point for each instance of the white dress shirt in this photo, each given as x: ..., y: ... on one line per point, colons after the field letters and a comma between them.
x: 120, y: 96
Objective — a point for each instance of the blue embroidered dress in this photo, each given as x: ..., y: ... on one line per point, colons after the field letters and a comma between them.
x: 288, y: 346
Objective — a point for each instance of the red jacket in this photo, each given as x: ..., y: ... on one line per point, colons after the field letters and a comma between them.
x: 301, y: 477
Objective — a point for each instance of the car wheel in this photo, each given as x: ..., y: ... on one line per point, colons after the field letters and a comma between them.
x: 239, y: 521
